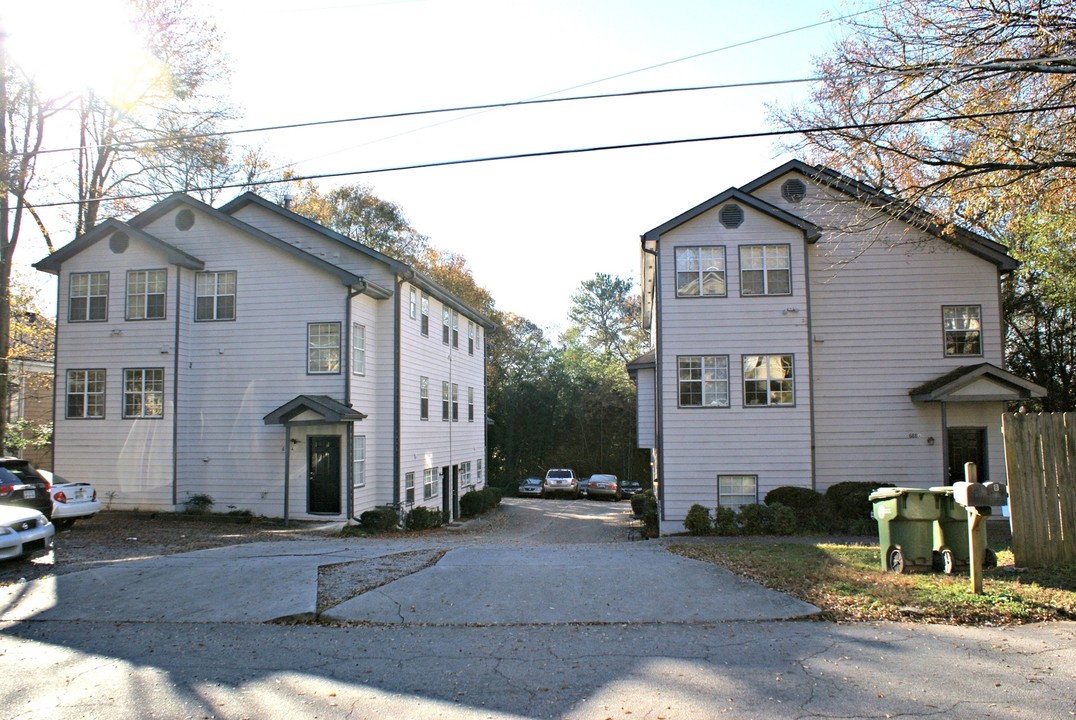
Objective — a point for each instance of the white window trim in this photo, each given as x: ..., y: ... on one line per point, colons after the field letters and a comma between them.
x: 333, y: 350
x: 748, y: 498
x: 358, y: 478
x: 358, y: 349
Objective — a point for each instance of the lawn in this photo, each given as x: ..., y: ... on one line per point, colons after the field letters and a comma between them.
x: 847, y: 584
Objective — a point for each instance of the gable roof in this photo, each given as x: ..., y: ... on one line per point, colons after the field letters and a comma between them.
x: 899, y: 209
x: 51, y: 264
x: 976, y: 383
x: 327, y: 408
x: 811, y: 232
x: 397, y: 266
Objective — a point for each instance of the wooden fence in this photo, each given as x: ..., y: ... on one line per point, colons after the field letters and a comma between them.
x: 1040, y: 457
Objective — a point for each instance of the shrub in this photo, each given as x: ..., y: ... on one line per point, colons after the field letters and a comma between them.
x: 639, y: 501
x: 785, y: 519
x: 645, y: 505
x: 797, y: 498
x: 477, y: 502
x: 697, y: 521
x: 848, y: 507
x: 423, y: 518
x: 198, y: 504
x: 380, y: 519
x: 756, y: 519
x: 725, y: 522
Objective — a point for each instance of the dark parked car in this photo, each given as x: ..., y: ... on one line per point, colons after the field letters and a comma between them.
x: 21, y: 485
x: 629, y: 488
x: 603, y: 486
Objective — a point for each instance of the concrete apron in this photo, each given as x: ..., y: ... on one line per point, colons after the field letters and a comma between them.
x: 477, y: 585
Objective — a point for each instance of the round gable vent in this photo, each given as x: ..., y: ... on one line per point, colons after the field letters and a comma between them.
x: 185, y: 219
x: 118, y: 242
x: 731, y: 216
x: 794, y: 190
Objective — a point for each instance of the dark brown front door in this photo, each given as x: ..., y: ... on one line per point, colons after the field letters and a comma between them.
x: 323, y: 474
x: 967, y: 445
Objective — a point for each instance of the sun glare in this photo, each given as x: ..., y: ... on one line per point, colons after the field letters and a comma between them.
x: 68, y: 46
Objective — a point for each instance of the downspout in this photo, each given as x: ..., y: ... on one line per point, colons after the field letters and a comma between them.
x: 810, y: 357
x: 175, y: 392
x: 659, y: 417
x: 349, y: 473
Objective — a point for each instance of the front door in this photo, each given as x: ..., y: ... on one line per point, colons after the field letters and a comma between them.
x: 966, y: 445
x: 323, y: 474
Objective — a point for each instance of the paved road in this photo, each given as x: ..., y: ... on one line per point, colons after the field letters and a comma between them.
x: 544, y: 609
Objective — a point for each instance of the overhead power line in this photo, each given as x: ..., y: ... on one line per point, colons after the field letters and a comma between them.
x: 595, y: 148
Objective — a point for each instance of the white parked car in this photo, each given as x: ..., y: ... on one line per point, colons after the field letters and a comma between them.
x: 70, y: 500
x: 23, y: 530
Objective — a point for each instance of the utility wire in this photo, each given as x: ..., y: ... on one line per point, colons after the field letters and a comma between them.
x: 596, y: 148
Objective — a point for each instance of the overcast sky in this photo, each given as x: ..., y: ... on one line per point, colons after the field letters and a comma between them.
x: 531, y: 229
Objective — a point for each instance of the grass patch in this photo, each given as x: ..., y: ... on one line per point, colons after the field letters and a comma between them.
x: 847, y: 584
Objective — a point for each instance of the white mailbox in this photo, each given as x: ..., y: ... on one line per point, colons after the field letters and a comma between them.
x: 980, y: 494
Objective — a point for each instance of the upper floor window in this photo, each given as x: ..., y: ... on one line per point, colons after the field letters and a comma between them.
x: 425, y: 326
x: 765, y: 270
x: 444, y: 400
x: 703, y: 380
x: 358, y: 349
x: 446, y: 325
x: 768, y: 380
x: 455, y: 329
x: 962, y: 325
x: 470, y: 404
x: 214, y: 296
x: 424, y: 398
x: 700, y: 271
x: 143, y: 393
x: 455, y: 402
x: 470, y: 337
x: 88, y: 298
x: 145, y: 294
x: 412, y: 304
x: 86, y: 394
x: 323, y: 347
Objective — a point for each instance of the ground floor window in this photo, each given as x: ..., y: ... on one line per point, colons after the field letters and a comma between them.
x: 465, y: 473
x: 409, y: 488
x: 360, y: 461
x: 735, y: 491
x: 429, y: 484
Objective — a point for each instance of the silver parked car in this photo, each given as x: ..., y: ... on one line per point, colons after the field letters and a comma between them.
x: 603, y: 485
x: 562, y: 481
x: 531, y: 487
x: 23, y: 530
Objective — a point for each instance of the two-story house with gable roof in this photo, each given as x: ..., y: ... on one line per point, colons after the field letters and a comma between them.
x: 809, y: 330
x: 249, y: 354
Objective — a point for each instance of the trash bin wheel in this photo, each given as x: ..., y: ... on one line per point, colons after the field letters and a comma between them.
x: 948, y: 562
x: 990, y: 560
x: 894, y: 560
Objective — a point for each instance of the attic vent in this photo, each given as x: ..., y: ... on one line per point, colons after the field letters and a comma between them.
x: 731, y: 216
x: 118, y: 242
x: 185, y: 219
x: 793, y: 190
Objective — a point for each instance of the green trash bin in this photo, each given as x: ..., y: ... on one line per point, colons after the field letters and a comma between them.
x: 952, y: 549
x: 907, y: 519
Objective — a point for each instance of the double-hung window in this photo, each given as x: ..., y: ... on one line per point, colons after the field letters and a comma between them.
x: 358, y: 349
x: 412, y: 304
x: 700, y: 271
x: 470, y: 404
x: 145, y: 294
x: 470, y: 337
x: 962, y: 326
x: 88, y: 297
x: 703, y: 380
x: 768, y: 380
x: 323, y: 348
x: 455, y: 402
x: 143, y: 393
x: 86, y: 394
x: 425, y: 324
x: 455, y: 329
x: 765, y: 270
x: 429, y: 484
x: 359, y: 469
x: 465, y: 473
x: 444, y: 400
x: 214, y: 296
x: 446, y: 325
x: 735, y: 491
x: 424, y: 398
x: 409, y: 488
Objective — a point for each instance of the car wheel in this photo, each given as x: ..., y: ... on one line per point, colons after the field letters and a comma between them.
x: 63, y: 524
